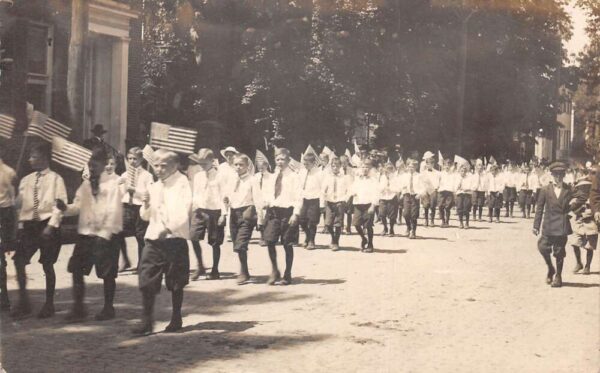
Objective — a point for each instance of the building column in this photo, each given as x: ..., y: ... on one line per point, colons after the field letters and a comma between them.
x: 119, y: 89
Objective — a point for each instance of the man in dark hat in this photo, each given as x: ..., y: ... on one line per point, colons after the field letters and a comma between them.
x: 553, y: 205
x: 97, y: 140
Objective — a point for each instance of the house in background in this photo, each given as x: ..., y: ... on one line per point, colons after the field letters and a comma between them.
x: 35, y: 35
x: 557, y: 144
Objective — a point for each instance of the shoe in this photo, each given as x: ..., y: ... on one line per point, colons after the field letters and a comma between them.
x: 462, y: 226
x: 46, y: 311
x: 407, y: 233
x: 391, y: 234
x: 77, y: 314
x: 243, y: 278
x: 364, y: 243
x: 466, y: 225
x: 497, y: 220
x: 348, y: 230
x: 426, y: 223
x: 311, y: 246
x: 22, y: 311
x: 262, y: 243
x: 412, y: 236
x: 305, y: 245
x: 274, y: 277
x: 197, y: 273
x: 174, y: 326
x: 335, y: 247
x: 287, y: 280
x: 384, y: 233
x: 557, y: 282
x: 369, y: 249
x: 550, y: 275
x: 586, y: 271
x: 432, y: 223
x: 144, y: 328
x: 578, y: 267
x: 213, y: 275
x: 107, y: 313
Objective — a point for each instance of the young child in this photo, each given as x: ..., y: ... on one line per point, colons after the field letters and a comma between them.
x: 137, y: 181
x: 553, y: 206
x: 38, y: 194
x: 310, y: 192
x: 262, y: 178
x: 98, y: 204
x: 411, y: 187
x: 479, y: 189
x: 463, y: 190
x: 207, y: 208
x: 166, y: 206
x: 585, y: 229
x: 527, y: 183
x: 388, y: 203
x: 446, y: 192
x: 281, y: 218
x: 243, y: 198
x: 510, y: 176
x: 495, y: 186
x: 7, y: 225
x: 349, y: 171
x: 365, y: 194
x: 430, y: 179
x: 335, y: 195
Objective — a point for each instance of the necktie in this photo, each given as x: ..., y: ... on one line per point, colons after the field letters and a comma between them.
x: 262, y: 176
x: 36, y: 197
x: 334, y: 188
x: 410, y: 189
x: 132, y: 183
x: 278, y: 183
x: 237, y: 185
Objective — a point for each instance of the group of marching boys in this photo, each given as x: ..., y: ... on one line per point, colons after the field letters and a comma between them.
x: 164, y: 206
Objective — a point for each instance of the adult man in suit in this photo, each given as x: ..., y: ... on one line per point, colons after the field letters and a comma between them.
x: 553, y: 205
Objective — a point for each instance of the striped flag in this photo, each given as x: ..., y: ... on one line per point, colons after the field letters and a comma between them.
x: 45, y: 127
x: 178, y: 139
x: 148, y: 155
x: 69, y: 154
x: 295, y: 165
x: 261, y: 158
x: 7, y: 126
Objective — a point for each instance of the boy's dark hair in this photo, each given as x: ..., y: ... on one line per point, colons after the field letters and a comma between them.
x: 42, y: 148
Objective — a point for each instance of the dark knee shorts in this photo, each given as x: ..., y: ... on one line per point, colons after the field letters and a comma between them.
x: 495, y: 200
x: 429, y: 200
x: 554, y: 245
x: 167, y: 257
x: 241, y: 225
x: 411, y: 207
x: 277, y: 226
x: 445, y: 199
x: 31, y: 241
x: 525, y: 197
x: 334, y: 214
x: 204, y: 221
x: 478, y: 199
x: 310, y: 213
x: 510, y: 194
x: 8, y: 221
x: 133, y: 225
x: 96, y: 252
x: 361, y: 216
x: 388, y: 208
x: 463, y: 204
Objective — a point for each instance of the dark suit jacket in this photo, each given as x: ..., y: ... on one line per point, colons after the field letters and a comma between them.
x: 94, y: 142
x: 554, y: 210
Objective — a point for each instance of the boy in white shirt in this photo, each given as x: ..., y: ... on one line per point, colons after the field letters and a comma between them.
x: 527, y: 183
x: 262, y: 178
x: 410, y: 189
x: 365, y: 193
x: 463, y: 191
x: 335, y: 194
x: 38, y: 195
x: 479, y: 189
x: 430, y: 178
x: 310, y: 192
x: 349, y: 171
x: 166, y: 207
x: 8, y: 225
x: 495, y: 186
x: 243, y: 198
x: 511, y: 177
x: 98, y: 204
x: 388, y: 203
x: 446, y: 192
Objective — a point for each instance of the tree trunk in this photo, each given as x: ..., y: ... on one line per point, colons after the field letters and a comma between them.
x: 76, y: 65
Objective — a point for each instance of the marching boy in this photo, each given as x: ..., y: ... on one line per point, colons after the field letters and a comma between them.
x: 527, y: 183
x: 136, y: 181
x: 348, y: 170
x: 38, y: 194
x: 281, y: 218
x: 585, y: 229
x: 166, y: 207
x: 243, y: 198
x: 510, y: 188
x: 7, y: 225
x: 335, y: 194
x: 495, y: 186
x: 553, y: 206
x: 310, y: 192
x: 410, y: 189
x: 98, y: 204
x: 463, y: 190
x: 479, y: 189
x: 388, y: 203
x: 207, y: 207
x: 364, y: 192
x: 430, y: 179
x: 446, y: 192
x: 263, y: 178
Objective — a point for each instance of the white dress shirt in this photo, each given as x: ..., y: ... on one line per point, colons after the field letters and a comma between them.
x: 388, y: 185
x: 495, y: 183
x: 406, y: 179
x: 510, y: 179
x: 528, y: 181
x: 50, y: 187
x: 310, y: 183
x: 169, y: 208
x: 365, y: 190
x: 208, y: 187
x: 290, y: 191
x: 479, y: 181
x: 447, y: 180
x: 141, y: 182
x: 243, y: 192
x: 100, y: 216
x: 463, y: 185
x: 336, y: 187
x: 7, y: 188
x: 430, y: 180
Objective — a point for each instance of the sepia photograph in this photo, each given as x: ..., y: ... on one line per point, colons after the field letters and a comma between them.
x: 257, y: 186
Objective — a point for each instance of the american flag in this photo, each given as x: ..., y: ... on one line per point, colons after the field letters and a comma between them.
x: 261, y: 158
x: 148, y: 155
x: 178, y: 139
x: 45, y: 127
x: 69, y: 154
x: 295, y: 165
x: 7, y: 126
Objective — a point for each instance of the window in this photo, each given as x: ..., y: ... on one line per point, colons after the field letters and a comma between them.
x: 39, y: 66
